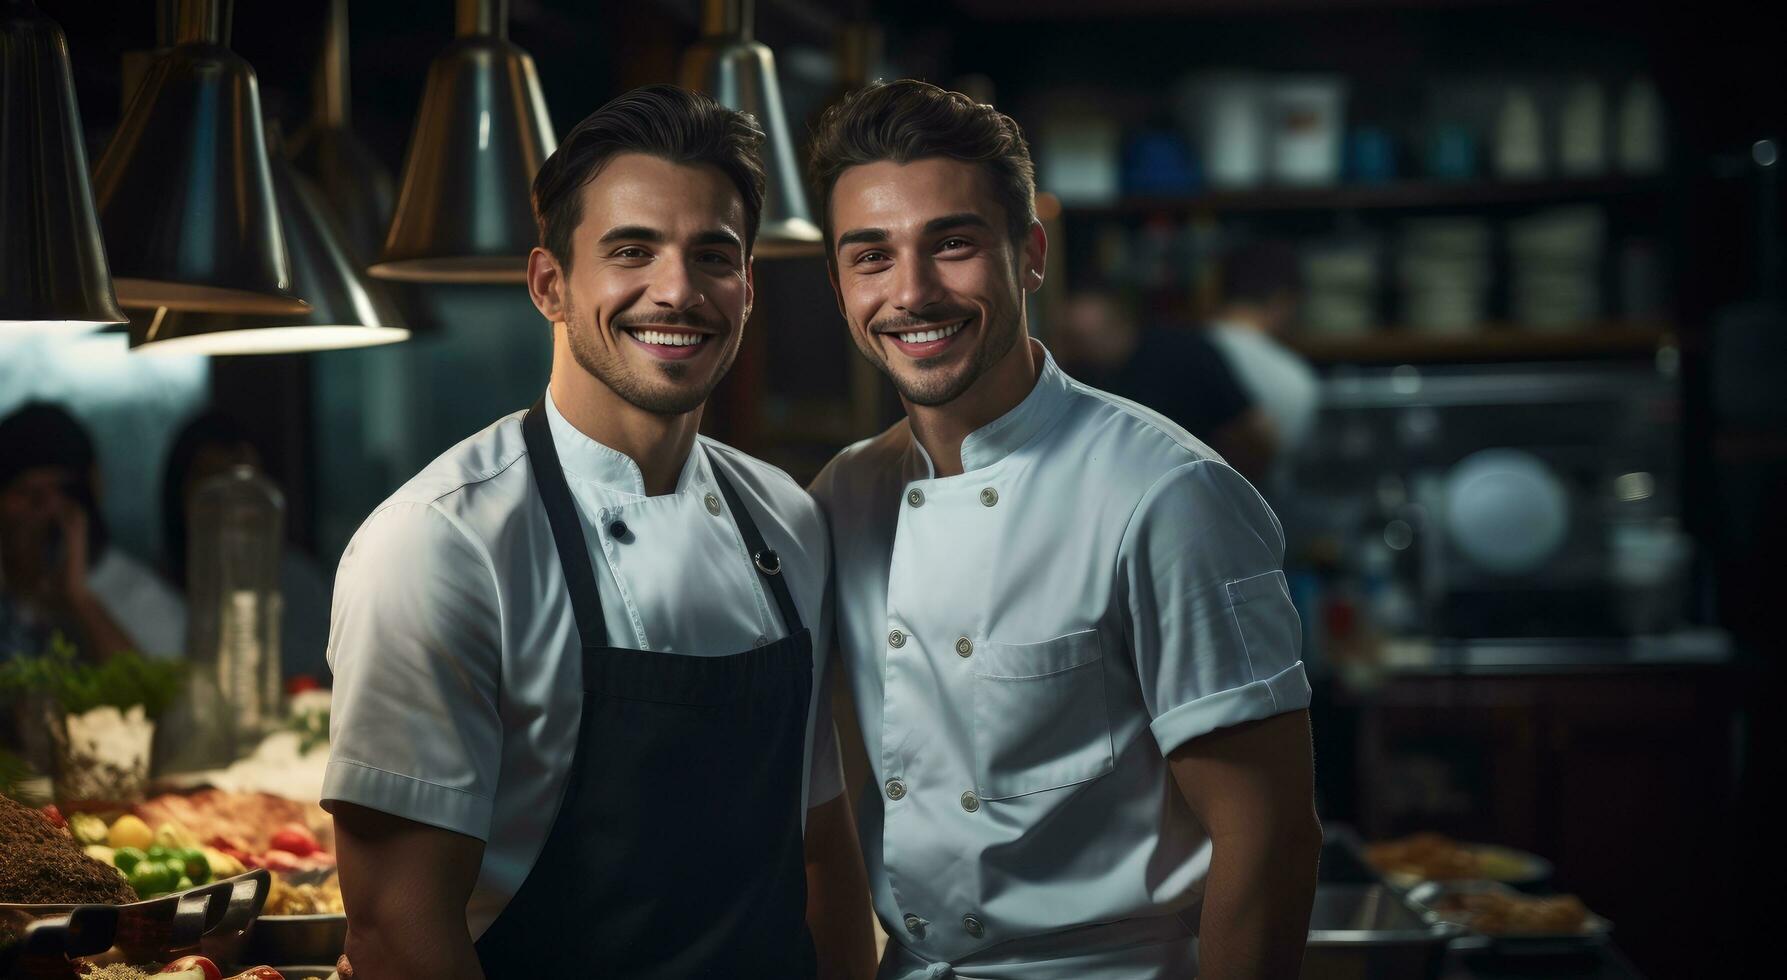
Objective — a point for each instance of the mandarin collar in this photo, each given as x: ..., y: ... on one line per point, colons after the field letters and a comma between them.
x: 589, y: 461
x: 1012, y: 431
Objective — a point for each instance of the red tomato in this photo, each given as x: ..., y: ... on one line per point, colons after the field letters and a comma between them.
x: 188, y: 964
x: 300, y: 684
x: 295, y: 839
x: 54, y: 816
x: 259, y: 973
x: 278, y: 860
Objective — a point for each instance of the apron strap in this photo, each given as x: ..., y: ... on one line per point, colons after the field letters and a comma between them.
x: 567, y: 530
x: 768, y: 563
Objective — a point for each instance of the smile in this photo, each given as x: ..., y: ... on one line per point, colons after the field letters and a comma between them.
x: 928, y: 341
x: 667, y: 338
x: 935, y: 333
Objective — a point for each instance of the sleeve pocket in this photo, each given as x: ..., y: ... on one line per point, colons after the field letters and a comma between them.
x: 1265, y: 622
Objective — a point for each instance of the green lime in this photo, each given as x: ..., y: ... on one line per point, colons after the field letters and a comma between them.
x: 152, y: 878
x: 126, y: 859
x: 198, y: 868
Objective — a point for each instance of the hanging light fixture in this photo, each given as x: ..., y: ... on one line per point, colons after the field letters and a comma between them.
x: 351, y: 178
x: 740, y: 73
x: 185, y: 195
x: 346, y: 310
x: 464, y: 208
x: 52, y: 258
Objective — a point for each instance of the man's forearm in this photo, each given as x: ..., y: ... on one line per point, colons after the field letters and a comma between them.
x: 838, y: 895
x: 380, y: 951
x: 102, y: 637
x: 1257, y: 898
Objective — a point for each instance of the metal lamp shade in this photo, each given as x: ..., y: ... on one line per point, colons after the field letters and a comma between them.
x: 346, y: 310
x: 185, y: 192
x: 356, y: 185
x: 52, y: 259
x: 464, y: 206
x: 740, y: 73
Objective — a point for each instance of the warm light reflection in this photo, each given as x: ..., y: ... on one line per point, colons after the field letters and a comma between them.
x: 275, y: 340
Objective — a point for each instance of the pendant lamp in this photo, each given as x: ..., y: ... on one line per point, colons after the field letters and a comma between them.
x: 346, y: 310
x: 464, y: 207
x: 184, y: 190
x: 351, y: 178
x: 740, y: 73
x: 52, y: 259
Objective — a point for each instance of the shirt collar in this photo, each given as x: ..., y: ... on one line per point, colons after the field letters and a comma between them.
x: 1012, y: 431
x: 589, y: 461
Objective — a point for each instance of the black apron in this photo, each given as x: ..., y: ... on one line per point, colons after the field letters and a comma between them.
x: 677, y: 849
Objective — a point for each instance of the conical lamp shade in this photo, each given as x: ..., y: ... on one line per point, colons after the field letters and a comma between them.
x: 346, y: 310
x: 52, y: 258
x: 740, y: 73
x: 464, y: 207
x: 184, y: 189
x: 356, y: 185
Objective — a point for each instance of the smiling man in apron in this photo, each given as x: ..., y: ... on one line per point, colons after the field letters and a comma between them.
x: 578, y: 716
x: 1073, y: 656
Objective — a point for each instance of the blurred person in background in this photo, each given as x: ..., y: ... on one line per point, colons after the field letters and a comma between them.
x: 1177, y: 372
x: 210, y: 445
x: 1262, y: 288
x: 59, y: 570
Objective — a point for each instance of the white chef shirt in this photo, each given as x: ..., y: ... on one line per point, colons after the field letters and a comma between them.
x: 1027, y: 642
x: 455, y: 649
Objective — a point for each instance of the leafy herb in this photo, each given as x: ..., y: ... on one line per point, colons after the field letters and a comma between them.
x: 124, y: 680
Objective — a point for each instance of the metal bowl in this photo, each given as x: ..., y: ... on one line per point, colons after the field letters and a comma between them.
x: 1372, y: 931
x: 153, y: 930
x: 280, y: 939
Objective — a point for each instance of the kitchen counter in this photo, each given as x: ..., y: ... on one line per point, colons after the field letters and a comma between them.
x: 1600, y: 963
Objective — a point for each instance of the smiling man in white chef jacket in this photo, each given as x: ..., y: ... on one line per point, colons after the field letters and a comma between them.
x: 1063, y: 618
x: 578, y: 719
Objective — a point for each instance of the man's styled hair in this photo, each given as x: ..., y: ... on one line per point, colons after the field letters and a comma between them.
x: 664, y: 121
x: 908, y: 120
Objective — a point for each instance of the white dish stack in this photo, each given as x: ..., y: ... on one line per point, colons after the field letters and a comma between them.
x: 1340, y: 287
x: 1555, y: 258
x: 1443, y: 269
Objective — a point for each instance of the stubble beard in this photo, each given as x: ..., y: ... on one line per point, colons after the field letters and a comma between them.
x: 931, y: 388
x: 610, y: 367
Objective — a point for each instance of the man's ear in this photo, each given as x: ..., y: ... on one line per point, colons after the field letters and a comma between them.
x: 831, y: 272
x: 1036, y: 254
x: 750, y: 289
x: 546, y: 284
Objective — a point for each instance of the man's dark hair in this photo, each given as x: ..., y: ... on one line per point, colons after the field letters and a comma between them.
x: 908, y: 120
x: 1260, y: 271
x: 41, y: 434
x: 664, y: 121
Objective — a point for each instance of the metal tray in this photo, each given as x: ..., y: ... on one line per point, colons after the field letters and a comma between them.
x: 1595, y: 929
x: 280, y: 939
x: 155, y: 930
x: 1372, y: 931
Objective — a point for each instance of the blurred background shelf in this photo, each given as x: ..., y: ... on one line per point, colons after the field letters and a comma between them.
x: 1400, y: 195
x: 1492, y: 342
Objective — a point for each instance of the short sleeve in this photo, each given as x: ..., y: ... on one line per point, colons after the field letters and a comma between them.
x: 414, y: 643
x: 1208, y: 617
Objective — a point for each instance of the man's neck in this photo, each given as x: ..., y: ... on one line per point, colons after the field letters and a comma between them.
x: 941, y: 429
x: 658, y: 444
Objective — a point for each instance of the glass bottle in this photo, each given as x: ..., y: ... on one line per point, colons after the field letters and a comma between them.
x: 237, y: 522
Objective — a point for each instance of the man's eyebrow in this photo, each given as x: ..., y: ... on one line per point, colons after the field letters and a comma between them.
x: 963, y: 219
x: 633, y: 233
x: 719, y: 236
x: 858, y: 236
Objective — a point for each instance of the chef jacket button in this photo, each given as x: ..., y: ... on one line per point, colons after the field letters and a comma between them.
x: 896, y: 639
x: 896, y: 789
x: 989, y: 496
x: 713, y: 505
x: 970, y: 802
x: 915, y: 497
x: 914, y: 924
x: 617, y: 530
x: 761, y: 641
x: 972, y: 926
x: 964, y: 647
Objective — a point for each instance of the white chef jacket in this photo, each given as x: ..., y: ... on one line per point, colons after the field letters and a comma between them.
x: 1026, y: 642
x: 455, y: 648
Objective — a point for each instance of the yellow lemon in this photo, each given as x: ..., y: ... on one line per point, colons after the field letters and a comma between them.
x: 130, y: 831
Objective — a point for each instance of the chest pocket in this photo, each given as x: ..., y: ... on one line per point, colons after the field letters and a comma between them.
x: 1040, y: 720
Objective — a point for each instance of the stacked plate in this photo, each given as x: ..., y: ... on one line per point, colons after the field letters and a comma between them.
x: 1340, y: 285
x: 1556, y: 258
x: 1443, y: 269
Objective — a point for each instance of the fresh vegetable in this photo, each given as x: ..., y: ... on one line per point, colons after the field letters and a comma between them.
x: 294, y: 839
x: 198, y: 867
x: 259, y: 973
x: 174, y: 836
x: 123, y: 680
x: 54, y: 815
x: 100, y: 853
x: 202, y: 965
x: 222, y: 865
x: 126, y: 859
x: 88, y: 829
x: 130, y: 831
x: 153, y: 878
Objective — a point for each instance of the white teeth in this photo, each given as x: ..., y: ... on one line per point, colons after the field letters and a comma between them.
x: 926, y: 336
x: 666, y: 339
